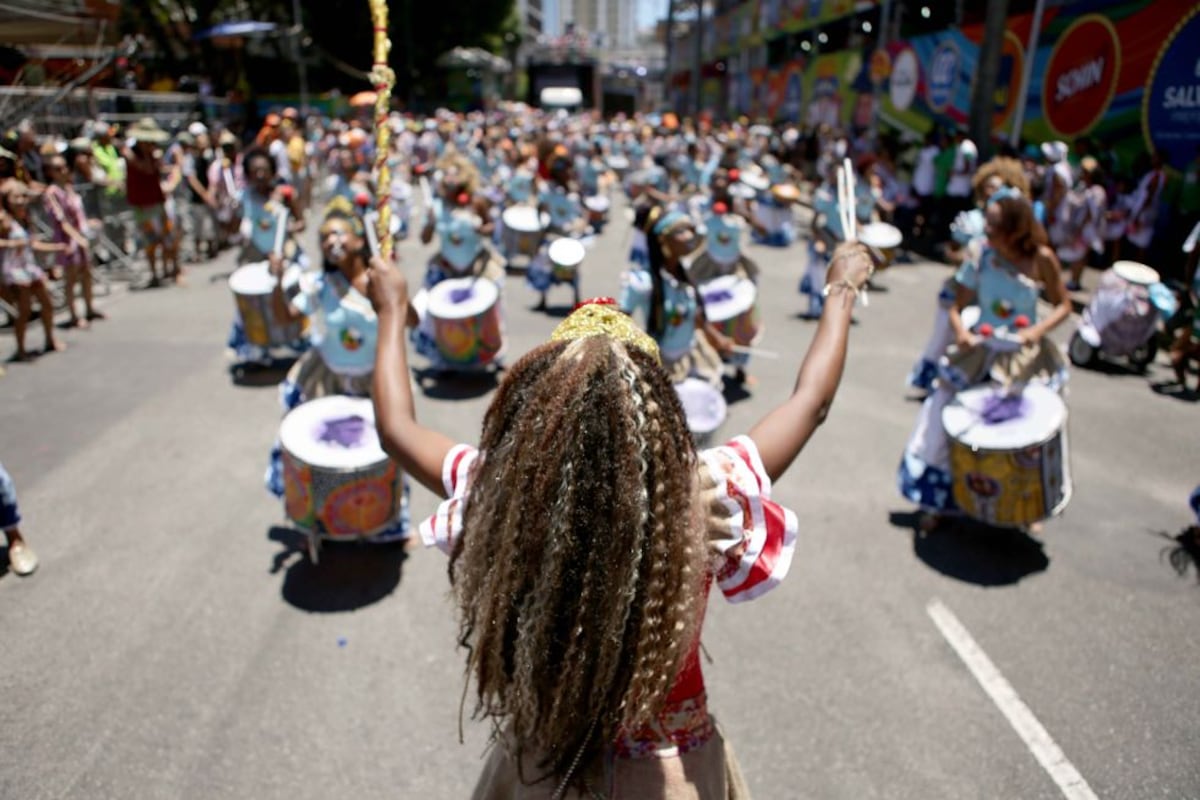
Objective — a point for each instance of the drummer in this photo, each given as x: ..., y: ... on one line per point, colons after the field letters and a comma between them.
x: 560, y: 201
x: 673, y: 310
x: 966, y: 230
x: 342, y: 358
x: 265, y: 204
x: 461, y: 218
x: 1004, y: 278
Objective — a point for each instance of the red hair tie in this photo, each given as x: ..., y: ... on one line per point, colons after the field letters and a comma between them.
x: 362, y: 199
x: 596, y: 301
x: 720, y: 208
x: 734, y: 174
x: 463, y: 198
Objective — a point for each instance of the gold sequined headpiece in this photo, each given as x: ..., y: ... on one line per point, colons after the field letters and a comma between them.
x: 601, y: 317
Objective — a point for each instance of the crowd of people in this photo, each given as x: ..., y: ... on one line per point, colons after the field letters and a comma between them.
x: 582, y: 639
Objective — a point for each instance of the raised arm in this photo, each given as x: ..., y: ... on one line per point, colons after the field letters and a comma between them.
x: 783, y: 432
x: 420, y: 451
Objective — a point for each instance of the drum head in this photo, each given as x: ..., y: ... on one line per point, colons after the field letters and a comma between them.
x: 755, y: 180
x: 462, y: 298
x: 618, y: 163
x: 598, y: 203
x: 566, y: 252
x: 256, y: 278
x: 1133, y: 272
x: 703, y: 405
x: 881, y: 235
x: 727, y: 297
x: 742, y: 191
x: 333, y: 433
x: 970, y: 317
x: 420, y: 303
x: 523, y: 219
x: 1039, y: 413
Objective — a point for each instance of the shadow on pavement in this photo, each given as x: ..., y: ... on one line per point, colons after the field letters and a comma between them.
x: 1175, y: 391
x: 350, y: 575
x: 440, y: 384
x: 256, y: 376
x: 1183, y: 552
x: 973, y: 552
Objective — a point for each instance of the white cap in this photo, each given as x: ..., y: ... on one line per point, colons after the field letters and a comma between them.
x: 197, y: 129
x: 1054, y: 151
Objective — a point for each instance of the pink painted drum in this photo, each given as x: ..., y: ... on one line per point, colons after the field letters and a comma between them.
x: 1008, y: 454
x: 252, y: 286
x: 338, y: 482
x: 466, y: 321
x: 731, y: 305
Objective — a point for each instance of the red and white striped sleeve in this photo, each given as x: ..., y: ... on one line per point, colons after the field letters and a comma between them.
x: 441, y: 529
x: 752, y: 539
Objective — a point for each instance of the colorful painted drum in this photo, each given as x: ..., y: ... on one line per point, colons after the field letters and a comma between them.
x: 883, y: 239
x: 730, y: 304
x: 1008, y: 454
x: 523, y: 230
x: 338, y: 482
x: 253, y: 287
x: 466, y: 321
x: 565, y: 256
x: 705, y: 409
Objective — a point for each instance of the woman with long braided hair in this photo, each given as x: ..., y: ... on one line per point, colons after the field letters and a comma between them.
x: 584, y: 534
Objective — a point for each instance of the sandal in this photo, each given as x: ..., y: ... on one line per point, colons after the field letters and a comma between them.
x: 22, y: 559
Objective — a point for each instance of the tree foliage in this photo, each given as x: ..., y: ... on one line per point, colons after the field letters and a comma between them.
x: 338, y: 33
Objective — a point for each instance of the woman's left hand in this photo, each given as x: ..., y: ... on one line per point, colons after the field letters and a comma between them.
x: 387, y: 287
x: 1028, y: 337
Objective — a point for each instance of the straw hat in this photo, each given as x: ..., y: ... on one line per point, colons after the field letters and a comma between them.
x: 147, y: 130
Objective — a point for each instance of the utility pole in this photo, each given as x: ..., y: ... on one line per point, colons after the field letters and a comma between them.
x: 984, y: 91
x: 298, y: 51
x: 697, y: 57
x: 667, y: 73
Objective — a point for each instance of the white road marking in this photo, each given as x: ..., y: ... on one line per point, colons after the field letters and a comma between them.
x: 1035, y: 736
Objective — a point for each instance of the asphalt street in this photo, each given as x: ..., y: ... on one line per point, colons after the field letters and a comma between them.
x: 176, y: 644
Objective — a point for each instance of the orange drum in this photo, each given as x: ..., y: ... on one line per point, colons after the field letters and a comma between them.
x: 785, y: 193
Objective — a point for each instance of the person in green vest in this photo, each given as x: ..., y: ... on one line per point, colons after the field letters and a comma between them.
x: 107, y: 157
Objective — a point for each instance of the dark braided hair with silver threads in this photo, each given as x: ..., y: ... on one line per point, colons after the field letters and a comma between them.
x: 580, y: 572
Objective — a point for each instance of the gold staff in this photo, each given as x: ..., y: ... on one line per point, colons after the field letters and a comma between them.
x: 383, y: 78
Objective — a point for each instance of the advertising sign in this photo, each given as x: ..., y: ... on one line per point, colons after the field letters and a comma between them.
x: 905, y: 77
x: 943, y: 76
x: 1171, y: 103
x: 1081, y: 76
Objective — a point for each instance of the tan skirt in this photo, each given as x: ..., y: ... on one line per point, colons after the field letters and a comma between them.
x: 710, y: 772
x: 705, y: 268
x: 702, y: 361
x: 1041, y: 362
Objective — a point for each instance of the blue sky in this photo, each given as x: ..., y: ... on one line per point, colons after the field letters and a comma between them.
x: 650, y: 11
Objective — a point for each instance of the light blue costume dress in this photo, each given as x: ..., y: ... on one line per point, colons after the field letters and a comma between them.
x: 344, y: 334
x: 684, y: 352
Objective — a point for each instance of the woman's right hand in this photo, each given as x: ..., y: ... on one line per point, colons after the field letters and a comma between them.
x: 275, y: 265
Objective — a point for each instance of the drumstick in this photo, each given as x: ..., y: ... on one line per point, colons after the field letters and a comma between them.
x: 280, y: 230
x: 426, y: 193
x: 754, y: 351
x: 372, y: 234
